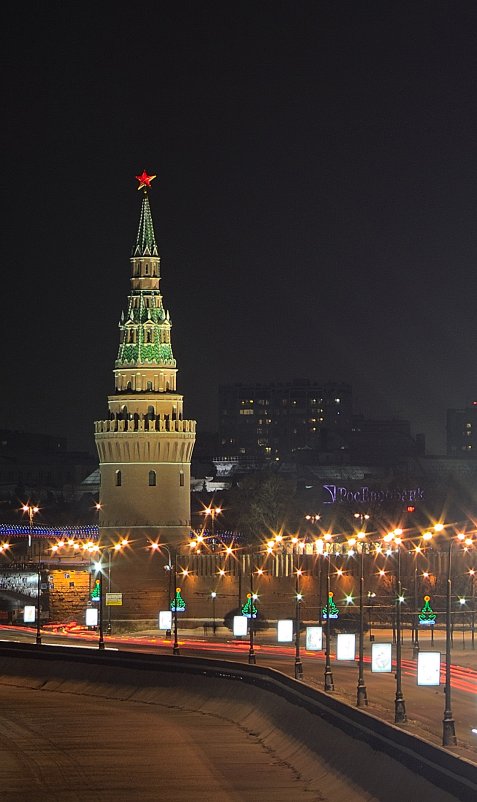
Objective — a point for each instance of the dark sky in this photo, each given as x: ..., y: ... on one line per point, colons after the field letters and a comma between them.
x: 315, y: 206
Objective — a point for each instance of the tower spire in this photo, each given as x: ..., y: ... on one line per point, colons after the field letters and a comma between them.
x: 146, y: 240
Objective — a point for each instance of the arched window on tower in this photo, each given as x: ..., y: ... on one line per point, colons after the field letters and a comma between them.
x: 152, y: 478
x: 149, y: 386
x: 181, y: 478
x: 118, y: 479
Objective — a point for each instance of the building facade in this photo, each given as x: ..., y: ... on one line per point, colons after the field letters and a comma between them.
x: 274, y: 420
x: 145, y: 445
x: 462, y: 431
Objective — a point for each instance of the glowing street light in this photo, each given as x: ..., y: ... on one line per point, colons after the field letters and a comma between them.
x: 213, y: 596
x: 298, y: 600
x: 400, y: 716
x: 211, y: 512
x: 32, y: 510
x: 361, y: 694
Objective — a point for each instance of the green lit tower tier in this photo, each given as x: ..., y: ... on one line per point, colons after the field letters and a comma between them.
x: 145, y: 445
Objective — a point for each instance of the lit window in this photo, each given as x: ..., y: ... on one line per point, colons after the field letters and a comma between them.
x: 181, y: 478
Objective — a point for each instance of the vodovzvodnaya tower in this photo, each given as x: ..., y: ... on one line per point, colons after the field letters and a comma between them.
x: 145, y: 446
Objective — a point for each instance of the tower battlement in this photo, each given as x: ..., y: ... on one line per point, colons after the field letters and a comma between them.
x: 146, y: 425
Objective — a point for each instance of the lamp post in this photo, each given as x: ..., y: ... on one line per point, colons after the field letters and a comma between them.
x: 115, y: 549
x: 400, y: 716
x: 371, y: 598
x: 169, y: 569
x: 251, y: 650
x: 298, y: 598
x: 329, y: 684
x: 32, y: 510
x: 38, y: 601
x: 213, y: 596
x: 98, y: 569
x: 448, y: 723
x: 175, y: 646
x: 101, y: 631
x: 212, y: 512
x: 361, y: 696
x: 415, y: 619
x: 472, y: 597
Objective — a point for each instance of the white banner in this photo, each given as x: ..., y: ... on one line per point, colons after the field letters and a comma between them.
x: 381, y: 657
x: 285, y: 630
x: 428, y: 668
x: 165, y: 619
x: 240, y: 625
x: 91, y: 617
x: 314, y: 639
x: 345, y: 646
x: 29, y: 614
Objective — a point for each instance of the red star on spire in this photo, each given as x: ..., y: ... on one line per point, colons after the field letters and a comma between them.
x: 145, y: 179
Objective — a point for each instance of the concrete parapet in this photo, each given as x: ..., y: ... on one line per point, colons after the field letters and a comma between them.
x: 341, y: 752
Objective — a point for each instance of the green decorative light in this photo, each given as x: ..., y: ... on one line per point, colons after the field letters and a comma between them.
x: 178, y: 602
x: 249, y: 609
x: 334, y: 612
x: 427, y: 616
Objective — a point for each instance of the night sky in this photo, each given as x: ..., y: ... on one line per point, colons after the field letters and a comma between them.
x: 315, y: 206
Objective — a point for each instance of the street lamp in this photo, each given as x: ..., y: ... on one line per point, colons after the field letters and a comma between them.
x: 171, y: 567
x: 400, y: 716
x: 472, y: 596
x: 448, y: 723
x: 213, y: 596
x: 371, y: 598
x: 329, y: 684
x: 115, y: 549
x: 362, y: 696
x: 313, y: 518
x: 251, y: 650
x: 98, y: 567
x: 415, y: 619
x: 175, y: 646
x: 212, y: 512
x: 298, y: 599
x: 32, y: 510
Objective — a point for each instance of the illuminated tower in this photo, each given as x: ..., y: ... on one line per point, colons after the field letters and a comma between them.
x: 145, y: 446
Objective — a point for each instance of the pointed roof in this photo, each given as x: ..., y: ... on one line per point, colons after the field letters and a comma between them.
x: 146, y: 241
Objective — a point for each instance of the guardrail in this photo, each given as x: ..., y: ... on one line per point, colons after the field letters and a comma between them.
x: 443, y: 769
